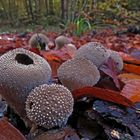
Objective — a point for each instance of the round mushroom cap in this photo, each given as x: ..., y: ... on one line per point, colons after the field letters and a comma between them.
x: 94, y: 52
x: 60, y: 41
x: 49, y: 106
x: 38, y: 39
x: 71, y: 46
x: 21, y: 71
x: 117, y: 59
x: 71, y: 49
x: 78, y: 73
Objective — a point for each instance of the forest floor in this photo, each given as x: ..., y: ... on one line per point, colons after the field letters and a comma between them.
x: 110, y: 110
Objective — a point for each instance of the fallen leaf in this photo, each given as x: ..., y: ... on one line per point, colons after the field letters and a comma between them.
x: 88, y: 128
x: 56, y: 58
x: 129, y: 59
x: 35, y: 50
x: 106, y: 83
x: 112, y: 117
x: 51, y: 57
x: 63, y: 134
x: 132, y: 68
x: 109, y: 69
x: 125, y: 77
x: 136, y: 54
x: 104, y: 94
x: 54, y: 61
x: 132, y: 90
x: 9, y: 132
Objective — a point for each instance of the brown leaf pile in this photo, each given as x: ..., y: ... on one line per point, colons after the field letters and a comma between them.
x: 122, y: 89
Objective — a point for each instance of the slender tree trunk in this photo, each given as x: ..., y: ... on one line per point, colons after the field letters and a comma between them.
x: 3, y: 6
x: 46, y: 3
x: 26, y: 7
x: 72, y: 9
x: 51, y: 10
x: 70, y: 13
x: 10, y: 12
x: 84, y: 5
x: 62, y: 9
x: 31, y: 10
x: 36, y: 11
x: 67, y: 9
x: 95, y: 4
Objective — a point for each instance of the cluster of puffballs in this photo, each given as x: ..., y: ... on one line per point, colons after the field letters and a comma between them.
x: 25, y: 81
x: 83, y: 69
x: 25, y: 85
x: 40, y: 39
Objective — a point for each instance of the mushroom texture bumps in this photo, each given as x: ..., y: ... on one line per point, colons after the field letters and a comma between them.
x: 49, y: 106
x: 20, y: 72
x: 40, y: 40
x: 77, y: 73
x: 93, y: 51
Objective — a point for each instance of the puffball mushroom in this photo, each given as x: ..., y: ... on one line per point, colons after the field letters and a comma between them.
x: 60, y: 41
x: 49, y: 106
x: 93, y: 51
x: 40, y: 40
x: 77, y: 73
x: 71, y: 49
x: 117, y: 59
x: 20, y: 72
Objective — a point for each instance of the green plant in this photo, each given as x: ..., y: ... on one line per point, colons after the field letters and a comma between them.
x: 82, y: 25
x: 77, y: 26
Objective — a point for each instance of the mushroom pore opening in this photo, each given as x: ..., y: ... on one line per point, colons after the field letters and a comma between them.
x: 23, y: 59
x: 30, y: 105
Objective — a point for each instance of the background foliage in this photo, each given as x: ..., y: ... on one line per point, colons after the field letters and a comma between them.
x: 46, y: 12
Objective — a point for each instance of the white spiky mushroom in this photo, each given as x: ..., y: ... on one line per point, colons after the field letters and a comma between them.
x: 21, y: 71
x: 49, y: 106
x: 77, y: 73
x: 93, y: 51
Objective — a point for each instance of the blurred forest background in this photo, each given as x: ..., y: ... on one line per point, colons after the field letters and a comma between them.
x: 69, y: 13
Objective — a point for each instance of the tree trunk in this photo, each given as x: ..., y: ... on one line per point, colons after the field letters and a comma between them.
x: 31, y: 10
x: 47, y: 5
x: 51, y: 10
x: 10, y: 12
x: 37, y: 9
x: 67, y: 9
x: 95, y: 4
x: 62, y: 9
x: 5, y: 10
x: 26, y: 7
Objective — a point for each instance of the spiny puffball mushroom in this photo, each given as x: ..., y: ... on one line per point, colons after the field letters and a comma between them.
x: 77, y: 73
x: 60, y: 41
x: 93, y: 51
x: 117, y: 59
x: 20, y: 72
x: 49, y: 106
x: 39, y: 39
